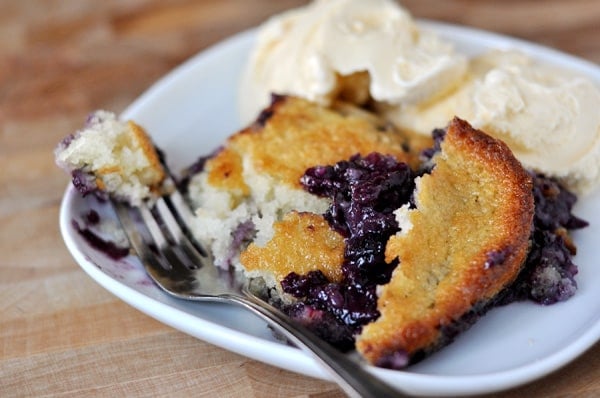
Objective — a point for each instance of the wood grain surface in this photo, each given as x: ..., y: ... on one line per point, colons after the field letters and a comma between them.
x: 63, y: 335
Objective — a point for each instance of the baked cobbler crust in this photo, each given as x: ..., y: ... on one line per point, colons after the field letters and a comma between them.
x: 464, y: 243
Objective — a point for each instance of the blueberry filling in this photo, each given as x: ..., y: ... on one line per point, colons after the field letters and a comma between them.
x: 84, y: 182
x: 549, y: 272
x: 241, y: 237
x: 365, y: 191
x: 426, y: 155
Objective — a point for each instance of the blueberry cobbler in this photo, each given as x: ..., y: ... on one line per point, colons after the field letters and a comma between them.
x: 391, y: 247
x: 377, y: 240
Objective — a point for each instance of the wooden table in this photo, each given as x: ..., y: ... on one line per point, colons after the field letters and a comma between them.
x: 62, y: 334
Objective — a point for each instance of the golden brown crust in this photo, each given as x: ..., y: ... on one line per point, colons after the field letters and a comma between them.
x: 151, y: 176
x: 469, y: 238
x: 225, y: 171
x: 156, y: 173
x: 302, y: 242
x: 293, y: 135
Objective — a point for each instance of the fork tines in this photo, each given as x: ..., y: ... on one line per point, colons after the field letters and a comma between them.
x: 159, y: 234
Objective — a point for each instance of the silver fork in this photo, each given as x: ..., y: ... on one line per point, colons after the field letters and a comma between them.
x: 181, y: 267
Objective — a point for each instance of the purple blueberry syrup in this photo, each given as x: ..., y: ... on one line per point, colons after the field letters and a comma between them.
x: 111, y: 249
x: 364, y: 191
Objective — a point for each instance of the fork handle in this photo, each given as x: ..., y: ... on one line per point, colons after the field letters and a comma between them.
x: 349, y: 375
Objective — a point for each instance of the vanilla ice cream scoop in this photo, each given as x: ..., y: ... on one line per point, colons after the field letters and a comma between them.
x: 548, y: 117
x: 307, y: 51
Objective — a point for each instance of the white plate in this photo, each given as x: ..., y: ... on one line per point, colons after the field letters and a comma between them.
x: 190, y: 112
